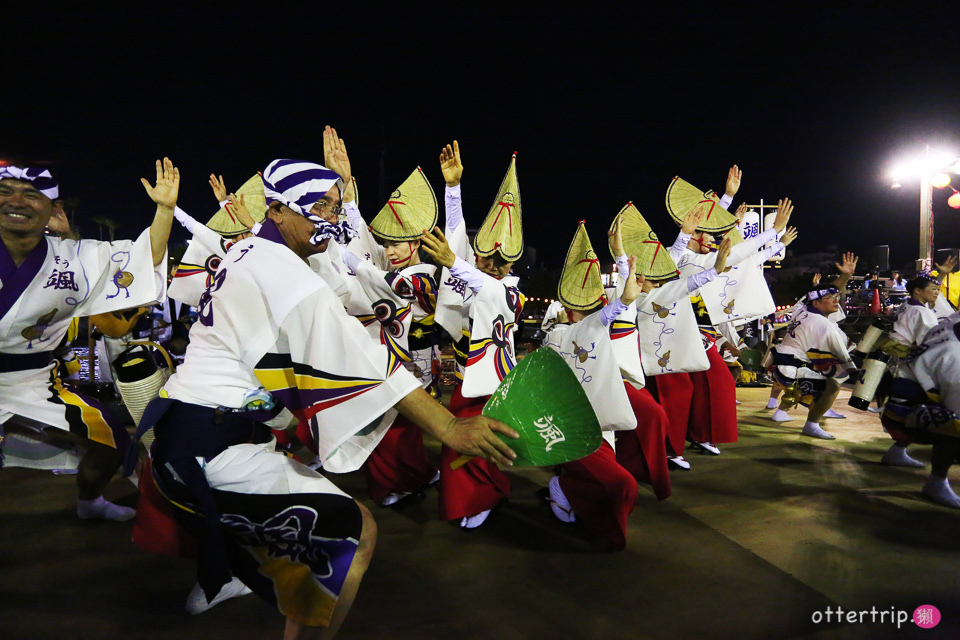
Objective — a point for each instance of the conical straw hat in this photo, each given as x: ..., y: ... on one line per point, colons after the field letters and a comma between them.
x: 683, y: 196
x: 542, y: 399
x: 226, y: 223
x: 735, y: 236
x: 502, y: 230
x: 411, y: 208
x: 581, y: 286
x: 653, y: 259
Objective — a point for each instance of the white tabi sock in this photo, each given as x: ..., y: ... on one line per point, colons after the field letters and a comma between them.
x: 102, y: 509
x: 772, y: 403
x: 896, y: 456
x: 781, y: 416
x: 938, y: 490
x: 559, y: 503
x: 813, y: 430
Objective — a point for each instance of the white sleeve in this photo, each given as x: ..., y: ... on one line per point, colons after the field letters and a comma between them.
x: 726, y: 201
x: 471, y: 275
x: 185, y: 219
x: 611, y: 311
x: 749, y: 247
x: 697, y: 280
x: 453, y: 206
x: 679, y: 246
x: 623, y: 266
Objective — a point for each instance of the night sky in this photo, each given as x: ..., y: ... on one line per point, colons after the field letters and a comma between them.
x: 603, y: 105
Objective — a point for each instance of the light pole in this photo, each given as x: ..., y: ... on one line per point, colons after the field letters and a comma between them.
x: 931, y: 169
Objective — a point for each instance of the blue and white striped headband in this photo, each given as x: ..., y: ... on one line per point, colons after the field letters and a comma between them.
x: 822, y: 292
x: 297, y: 184
x: 927, y: 275
x: 39, y: 178
x: 300, y: 185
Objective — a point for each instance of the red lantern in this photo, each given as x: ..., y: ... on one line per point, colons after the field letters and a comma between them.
x: 954, y: 200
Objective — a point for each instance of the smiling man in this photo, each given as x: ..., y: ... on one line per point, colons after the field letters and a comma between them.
x: 45, y: 282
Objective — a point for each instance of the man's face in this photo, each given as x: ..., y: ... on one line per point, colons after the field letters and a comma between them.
x: 23, y: 209
x: 493, y: 267
x: 400, y: 254
x: 328, y: 207
x: 827, y: 304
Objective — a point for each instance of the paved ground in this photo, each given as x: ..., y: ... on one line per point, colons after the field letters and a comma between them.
x: 758, y: 542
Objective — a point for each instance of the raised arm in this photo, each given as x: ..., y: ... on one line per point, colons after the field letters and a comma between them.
x: 164, y: 193
x: 846, y: 270
x: 335, y: 156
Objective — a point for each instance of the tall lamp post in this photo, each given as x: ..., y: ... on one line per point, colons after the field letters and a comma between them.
x: 931, y: 168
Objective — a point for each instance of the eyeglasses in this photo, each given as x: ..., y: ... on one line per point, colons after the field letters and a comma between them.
x: 322, y: 205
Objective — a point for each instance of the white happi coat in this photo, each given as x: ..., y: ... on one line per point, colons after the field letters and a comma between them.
x: 205, y: 249
x: 740, y: 293
x: 625, y: 341
x: 487, y: 318
x: 914, y: 319
x: 937, y: 369
x: 586, y: 347
x: 670, y: 340
x: 396, y: 299
x: 70, y: 278
x: 814, y: 338
x: 268, y: 321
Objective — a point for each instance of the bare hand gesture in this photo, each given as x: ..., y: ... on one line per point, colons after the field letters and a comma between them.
x: 435, y: 244
x: 477, y: 436
x: 789, y: 236
x: 948, y: 265
x: 722, y: 254
x: 616, y: 239
x: 335, y: 154
x: 238, y: 207
x: 450, y: 164
x: 164, y: 193
x: 816, y: 278
x: 741, y: 212
x: 633, y: 286
x: 849, y: 264
x: 58, y: 223
x: 784, y: 211
x: 219, y: 188
x: 733, y: 181
x: 692, y: 220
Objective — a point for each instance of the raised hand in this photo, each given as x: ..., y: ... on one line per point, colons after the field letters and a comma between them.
x: 733, y: 181
x: 633, y: 286
x: 948, y: 265
x: 435, y: 244
x: 849, y: 264
x: 335, y: 154
x: 816, y: 278
x: 165, y: 192
x: 450, y: 164
x: 692, y: 220
x: 238, y: 207
x: 723, y: 252
x: 789, y: 236
x: 741, y: 212
x: 616, y: 239
x: 219, y: 188
x: 784, y: 211
x: 59, y: 224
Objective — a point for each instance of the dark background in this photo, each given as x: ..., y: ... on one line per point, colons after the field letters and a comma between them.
x: 603, y: 104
